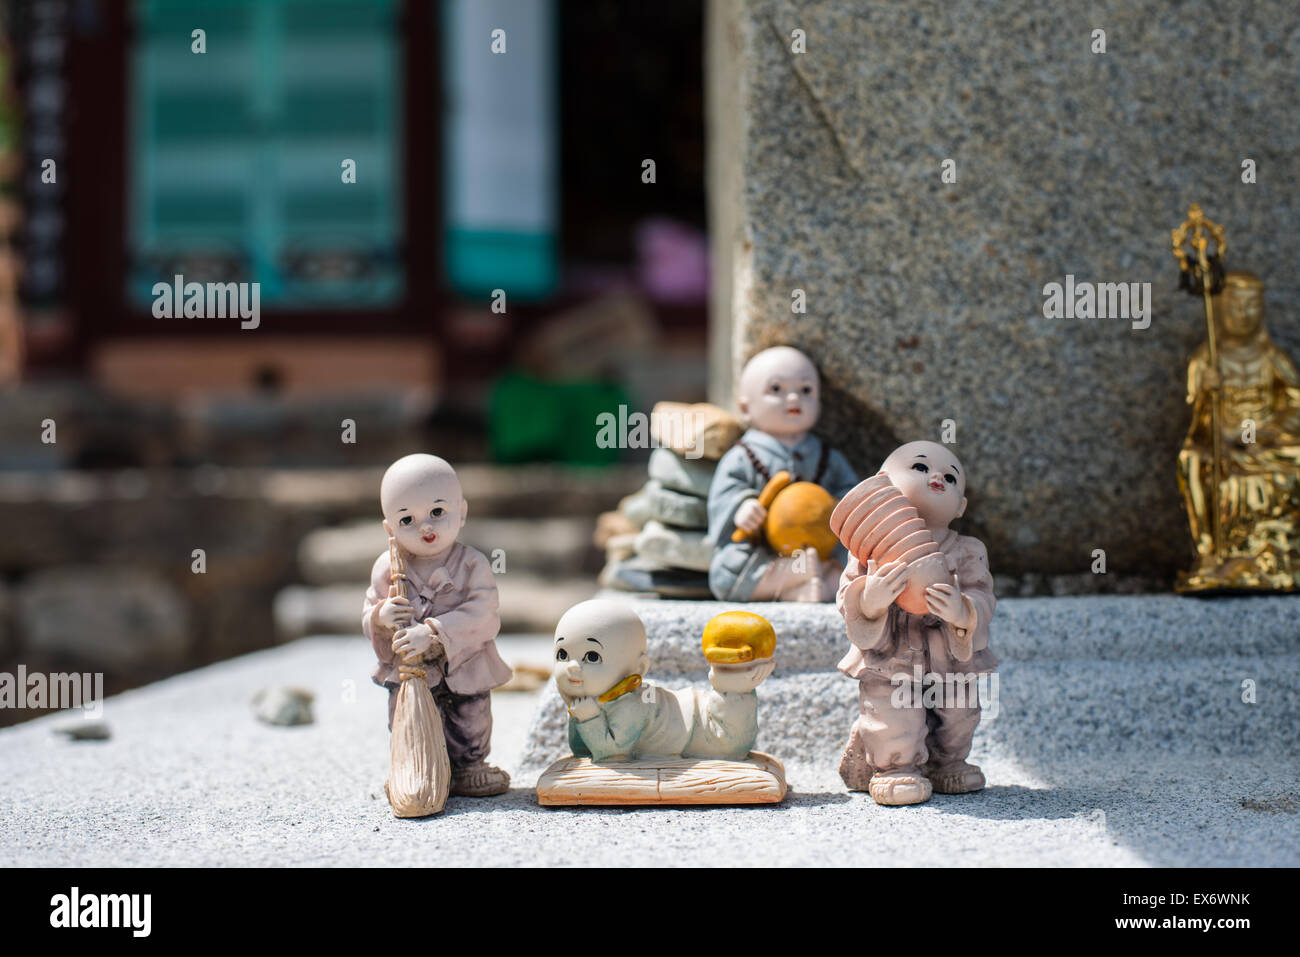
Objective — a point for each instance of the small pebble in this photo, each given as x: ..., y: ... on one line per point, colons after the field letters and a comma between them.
x: 526, y: 678
x: 85, y: 730
x: 283, y: 705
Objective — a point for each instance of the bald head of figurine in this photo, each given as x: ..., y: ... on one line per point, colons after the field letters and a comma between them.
x: 422, y: 503
x: 780, y: 394
x: 932, y: 479
x: 1241, y: 305
x: 598, y: 643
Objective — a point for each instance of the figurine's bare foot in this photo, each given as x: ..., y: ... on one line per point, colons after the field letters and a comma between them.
x: 854, y: 769
x: 479, y: 780
x: 956, y: 778
x: 810, y: 590
x: 900, y: 786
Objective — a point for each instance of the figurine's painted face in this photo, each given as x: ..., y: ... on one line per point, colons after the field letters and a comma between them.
x: 932, y: 479
x: 1243, y: 310
x: 780, y: 393
x: 598, y: 643
x: 423, y: 505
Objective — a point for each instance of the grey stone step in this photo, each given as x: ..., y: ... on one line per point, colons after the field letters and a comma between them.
x: 1078, y: 676
x: 1084, y: 628
x: 1046, y: 712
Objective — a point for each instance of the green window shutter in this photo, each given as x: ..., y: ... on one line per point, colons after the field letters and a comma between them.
x: 501, y: 154
x: 236, y: 153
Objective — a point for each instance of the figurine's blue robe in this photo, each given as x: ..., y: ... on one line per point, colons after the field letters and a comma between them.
x: 657, y: 721
x: 736, y: 567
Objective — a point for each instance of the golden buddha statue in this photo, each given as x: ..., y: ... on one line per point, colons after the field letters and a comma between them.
x: 1258, y: 495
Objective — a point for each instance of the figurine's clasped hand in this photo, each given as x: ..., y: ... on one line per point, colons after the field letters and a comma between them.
x: 395, y: 613
x: 436, y: 647
x: 413, y: 642
x: 1264, y: 435
x: 946, y: 602
x: 750, y: 515
x: 584, y: 709
x: 883, y: 584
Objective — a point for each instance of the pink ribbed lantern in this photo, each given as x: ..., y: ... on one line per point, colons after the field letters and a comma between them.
x: 876, y: 523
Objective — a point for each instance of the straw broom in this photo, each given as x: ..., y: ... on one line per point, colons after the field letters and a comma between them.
x: 419, y: 776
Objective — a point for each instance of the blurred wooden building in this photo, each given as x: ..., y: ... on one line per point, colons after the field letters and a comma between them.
x: 378, y: 167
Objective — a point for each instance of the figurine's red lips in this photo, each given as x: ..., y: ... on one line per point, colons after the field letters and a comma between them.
x: 430, y: 538
x: 936, y: 486
x: 794, y: 410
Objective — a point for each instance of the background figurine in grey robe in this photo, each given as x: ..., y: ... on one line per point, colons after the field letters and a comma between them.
x: 780, y: 397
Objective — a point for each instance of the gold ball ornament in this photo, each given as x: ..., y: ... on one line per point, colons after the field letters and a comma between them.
x: 735, y: 637
x: 799, y: 518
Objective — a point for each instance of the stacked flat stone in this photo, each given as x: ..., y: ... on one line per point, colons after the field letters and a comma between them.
x: 657, y: 542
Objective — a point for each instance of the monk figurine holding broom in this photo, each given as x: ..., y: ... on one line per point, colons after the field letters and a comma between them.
x: 435, y: 620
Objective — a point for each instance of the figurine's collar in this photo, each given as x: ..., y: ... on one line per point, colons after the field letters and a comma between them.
x: 808, y: 450
x: 442, y: 574
x: 626, y: 686
x: 945, y: 538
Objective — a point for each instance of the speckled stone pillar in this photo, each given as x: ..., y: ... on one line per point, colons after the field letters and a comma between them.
x: 924, y: 298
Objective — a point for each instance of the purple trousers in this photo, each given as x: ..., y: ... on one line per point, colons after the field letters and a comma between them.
x: 466, y: 721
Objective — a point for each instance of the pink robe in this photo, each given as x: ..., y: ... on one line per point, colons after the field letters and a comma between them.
x: 897, y: 641
x: 462, y: 594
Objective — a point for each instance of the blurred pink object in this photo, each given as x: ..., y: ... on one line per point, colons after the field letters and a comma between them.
x: 672, y: 261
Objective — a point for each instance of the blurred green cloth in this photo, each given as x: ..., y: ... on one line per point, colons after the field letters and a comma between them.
x: 531, y: 420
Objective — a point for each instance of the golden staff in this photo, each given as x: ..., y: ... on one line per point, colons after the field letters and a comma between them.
x: 1204, y: 274
x: 419, y: 775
